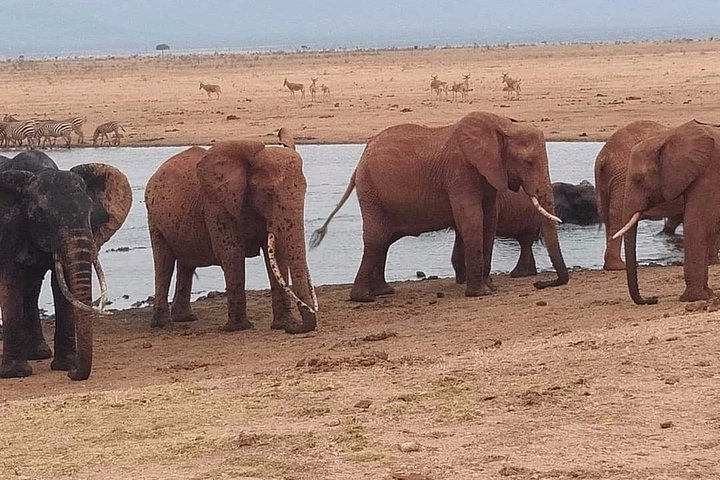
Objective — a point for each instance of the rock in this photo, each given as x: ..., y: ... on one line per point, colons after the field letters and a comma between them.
x: 410, y: 476
x: 541, y: 303
x: 667, y: 425
x: 432, y: 277
x: 147, y: 345
x: 407, y: 447
x: 440, y: 295
x: 672, y: 380
x: 232, y: 117
x: 363, y: 404
x: 420, y: 274
x: 583, y: 134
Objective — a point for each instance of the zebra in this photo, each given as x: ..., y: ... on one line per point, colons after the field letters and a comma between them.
x: 77, y: 124
x: 50, y: 131
x: 106, y: 128
x: 209, y: 88
x: 16, y: 132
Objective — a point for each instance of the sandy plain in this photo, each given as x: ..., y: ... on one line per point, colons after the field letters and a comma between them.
x: 567, y: 383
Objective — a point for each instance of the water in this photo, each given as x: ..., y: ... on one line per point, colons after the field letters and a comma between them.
x: 328, y: 168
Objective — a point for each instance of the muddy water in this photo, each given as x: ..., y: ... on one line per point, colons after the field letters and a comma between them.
x: 127, y: 257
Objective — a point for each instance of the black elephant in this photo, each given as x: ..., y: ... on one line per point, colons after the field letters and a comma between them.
x: 576, y: 204
x: 52, y: 219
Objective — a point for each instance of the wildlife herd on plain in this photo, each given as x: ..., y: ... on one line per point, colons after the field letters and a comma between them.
x: 483, y: 176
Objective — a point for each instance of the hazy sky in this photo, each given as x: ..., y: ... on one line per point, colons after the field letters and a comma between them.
x: 58, y: 26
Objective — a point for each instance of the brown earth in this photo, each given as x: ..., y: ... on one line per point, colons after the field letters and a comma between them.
x: 566, y: 383
x: 572, y: 92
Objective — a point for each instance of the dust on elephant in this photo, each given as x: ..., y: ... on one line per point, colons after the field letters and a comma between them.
x: 679, y: 162
x: 413, y: 179
x: 219, y: 206
x: 55, y: 220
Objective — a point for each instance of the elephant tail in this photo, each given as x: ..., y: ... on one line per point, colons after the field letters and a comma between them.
x: 319, y: 234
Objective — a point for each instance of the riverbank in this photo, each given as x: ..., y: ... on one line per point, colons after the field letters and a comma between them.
x: 571, y: 92
x: 572, y: 382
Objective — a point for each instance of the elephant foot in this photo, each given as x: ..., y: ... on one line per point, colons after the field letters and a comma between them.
x: 15, y: 369
x: 523, y: 272
x: 183, y: 315
x: 478, y: 291
x: 64, y: 362
x: 383, y: 289
x: 281, y: 321
x: 614, y: 265
x: 160, y: 319
x: 358, y: 295
x: 491, y: 284
x: 695, y: 294
x: 459, y: 279
x: 234, y: 326
x: 39, y: 351
x: 309, y: 322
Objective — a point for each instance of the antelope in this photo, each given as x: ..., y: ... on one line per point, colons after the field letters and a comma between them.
x: 209, y: 88
x: 294, y: 87
x: 511, y: 85
x: 435, y: 85
x: 463, y: 88
x: 325, y: 89
x: 313, y: 89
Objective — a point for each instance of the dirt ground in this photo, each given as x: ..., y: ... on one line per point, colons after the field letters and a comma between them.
x: 572, y: 92
x: 573, y: 382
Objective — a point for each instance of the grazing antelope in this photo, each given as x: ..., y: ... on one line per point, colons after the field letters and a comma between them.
x: 313, y: 89
x: 210, y: 88
x: 103, y: 131
x: 325, y: 89
x: 294, y: 87
x: 511, y: 85
x: 47, y: 133
x: 435, y: 85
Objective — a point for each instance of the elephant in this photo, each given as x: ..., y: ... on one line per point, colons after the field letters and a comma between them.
x: 680, y: 162
x: 52, y: 219
x: 221, y: 205
x: 519, y: 219
x: 413, y: 179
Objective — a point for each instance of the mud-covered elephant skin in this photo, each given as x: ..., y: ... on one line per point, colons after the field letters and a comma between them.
x: 51, y: 219
x: 219, y: 206
x: 413, y: 179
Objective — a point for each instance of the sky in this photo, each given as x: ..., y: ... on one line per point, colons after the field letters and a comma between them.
x: 131, y: 26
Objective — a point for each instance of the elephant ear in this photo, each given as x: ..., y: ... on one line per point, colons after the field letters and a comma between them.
x: 111, y: 194
x: 223, y: 173
x: 479, y: 143
x: 683, y: 156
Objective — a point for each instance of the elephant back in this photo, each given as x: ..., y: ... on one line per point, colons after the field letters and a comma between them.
x: 31, y: 161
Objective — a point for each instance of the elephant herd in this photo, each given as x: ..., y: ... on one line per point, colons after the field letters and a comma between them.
x: 483, y: 176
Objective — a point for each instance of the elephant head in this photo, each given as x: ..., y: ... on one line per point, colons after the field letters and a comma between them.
x: 59, y: 219
x: 661, y: 169
x: 247, y: 178
x: 510, y: 155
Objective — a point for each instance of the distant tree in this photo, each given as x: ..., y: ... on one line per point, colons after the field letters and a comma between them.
x: 162, y: 47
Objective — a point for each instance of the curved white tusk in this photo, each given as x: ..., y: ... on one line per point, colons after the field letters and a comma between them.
x: 62, y: 283
x: 101, y: 280
x: 544, y: 212
x: 281, y: 281
x: 633, y: 220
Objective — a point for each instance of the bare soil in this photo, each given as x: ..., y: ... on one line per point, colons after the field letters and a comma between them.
x: 565, y: 383
x: 571, y: 92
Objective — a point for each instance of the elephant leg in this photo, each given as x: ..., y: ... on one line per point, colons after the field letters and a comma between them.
x: 376, y: 242
x: 180, y: 310
x: 613, y: 261
x: 378, y: 284
x: 695, y: 264
x: 15, y: 342
x: 65, y: 350
x: 490, y: 219
x: 233, y: 264
x: 39, y: 349
x: 714, y: 248
x: 164, y: 263
x: 470, y: 223
x: 281, y: 307
x: 458, y: 259
x: 526, y: 263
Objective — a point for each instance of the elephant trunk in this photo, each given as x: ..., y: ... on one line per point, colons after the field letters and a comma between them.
x: 631, y: 268
x: 544, y: 202
x: 75, y: 272
x: 301, y: 291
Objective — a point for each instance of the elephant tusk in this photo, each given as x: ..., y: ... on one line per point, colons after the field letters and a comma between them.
x: 544, y: 212
x: 103, y: 284
x: 62, y: 283
x: 633, y: 220
x: 281, y: 281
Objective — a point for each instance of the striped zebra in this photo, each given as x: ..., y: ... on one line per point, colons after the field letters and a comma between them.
x: 103, y: 131
x: 16, y: 132
x: 77, y: 123
x: 49, y: 132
